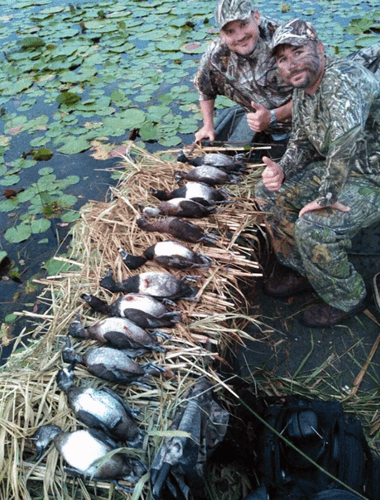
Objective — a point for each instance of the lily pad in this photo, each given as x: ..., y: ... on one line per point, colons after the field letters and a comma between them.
x: 68, y: 98
x: 40, y: 225
x: 43, y: 154
x: 18, y: 233
x: 9, y: 180
x: 31, y: 42
x: 74, y: 145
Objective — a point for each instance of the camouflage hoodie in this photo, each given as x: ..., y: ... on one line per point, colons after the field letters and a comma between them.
x: 244, y: 79
x: 341, y: 122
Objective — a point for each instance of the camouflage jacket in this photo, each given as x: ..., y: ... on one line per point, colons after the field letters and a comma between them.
x: 244, y: 79
x: 341, y: 123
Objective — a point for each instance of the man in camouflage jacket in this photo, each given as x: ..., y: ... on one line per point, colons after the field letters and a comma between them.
x: 239, y: 65
x: 327, y: 185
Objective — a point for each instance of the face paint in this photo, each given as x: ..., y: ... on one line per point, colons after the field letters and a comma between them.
x: 241, y: 36
x: 302, y: 67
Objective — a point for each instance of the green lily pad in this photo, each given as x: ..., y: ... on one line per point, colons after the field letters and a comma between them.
x: 74, y: 145
x: 31, y: 42
x: 70, y: 216
x: 68, y: 98
x: 67, y: 201
x: 170, y: 141
x: 43, y: 154
x: 169, y: 46
x: 18, y: 233
x: 9, y: 180
x: 148, y: 131
x: 40, y: 225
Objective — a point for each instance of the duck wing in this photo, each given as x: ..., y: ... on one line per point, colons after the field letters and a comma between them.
x: 131, y: 413
x: 114, y: 374
x: 145, y: 320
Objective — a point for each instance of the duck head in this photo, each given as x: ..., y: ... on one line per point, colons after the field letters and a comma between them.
x: 44, y: 436
x: 179, y: 175
x: 65, y: 377
x: 131, y: 261
x: 76, y: 329
x: 68, y: 353
x: 151, y: 212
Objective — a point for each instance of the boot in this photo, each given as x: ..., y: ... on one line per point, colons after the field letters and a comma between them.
x: 284, y: 282
x: 322, y: 315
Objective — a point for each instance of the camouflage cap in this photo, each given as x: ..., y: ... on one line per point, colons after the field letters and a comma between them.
x: 295, y: 32
x: 232, y: 10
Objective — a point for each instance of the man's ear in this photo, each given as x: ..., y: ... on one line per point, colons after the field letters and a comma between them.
x: 256, y: 16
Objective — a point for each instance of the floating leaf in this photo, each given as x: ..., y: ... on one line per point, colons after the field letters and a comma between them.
x: 148, y: 131
x: 10, y: 318
x: 68, y: 98
x: 366, y: 40
x: 46, y: 171
x: 18, y: 233
x: 40, y: 225
x: 118, y: 95
x: 169, y: 45
x: 9, y: 180
x: 170, y: 141
x: 70, y: 216
x: 193, y: 48
x: 42, y: 154
x: 67, y: 201
x: 31, y: 42
x: 74, y: 145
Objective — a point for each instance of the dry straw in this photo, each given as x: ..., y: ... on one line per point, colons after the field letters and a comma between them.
x: 29, y: 396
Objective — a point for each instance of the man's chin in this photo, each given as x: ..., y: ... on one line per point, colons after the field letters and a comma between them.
x: 245, y: 52
x: 300, y: 83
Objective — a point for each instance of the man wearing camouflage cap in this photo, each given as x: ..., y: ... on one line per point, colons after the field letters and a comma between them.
x: 239, y: 65
x: 327, y: 185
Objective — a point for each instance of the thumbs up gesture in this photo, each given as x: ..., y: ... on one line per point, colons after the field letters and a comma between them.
x: 259, y: 119
x: 273, y: 176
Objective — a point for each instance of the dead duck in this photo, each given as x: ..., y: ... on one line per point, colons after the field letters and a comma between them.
x: 144, y: 310
x: 102, y: 409
x: 228, y: 163
x: 197, y: 191
x: 169, y: 253
x: 120, y: 333
x: 112, y: 364
x: 207, y: 174
x: 158, y: 285
x: 80, y: 449
x: 180, y: 207
x: 179, y: 228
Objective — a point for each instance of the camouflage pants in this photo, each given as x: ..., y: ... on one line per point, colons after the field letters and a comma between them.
x: 316, y: 244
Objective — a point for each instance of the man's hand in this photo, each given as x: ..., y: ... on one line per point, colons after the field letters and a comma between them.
x: 314, y: 206
x: 273, y: 176
x: 259, y: 120
x: 206, y: 132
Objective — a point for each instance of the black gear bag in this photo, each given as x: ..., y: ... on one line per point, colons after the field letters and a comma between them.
x: 325, y: 435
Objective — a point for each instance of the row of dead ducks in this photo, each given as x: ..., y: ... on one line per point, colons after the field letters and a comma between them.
x: 109, y: 419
